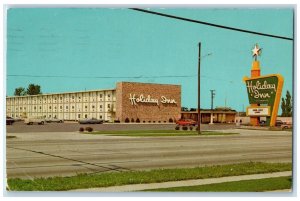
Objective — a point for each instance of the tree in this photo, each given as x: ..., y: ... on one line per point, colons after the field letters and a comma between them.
x: 286, y: 105
x: 185, y: 109
x: 33, y: 89
x: 20, y: 91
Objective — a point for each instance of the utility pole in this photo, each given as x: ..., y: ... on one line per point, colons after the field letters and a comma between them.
x: 199, y: 59
x: 212, y: 99
x: 212, y: 106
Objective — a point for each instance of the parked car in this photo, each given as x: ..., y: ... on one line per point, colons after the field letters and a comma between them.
x: 186, y: 122
x: 286, y: 125
x: 9, y: 120
x: 49, y: 120
x: 32, y: 120
x: 90, y: 121
x: 262, y: 123
x: 278, y: 123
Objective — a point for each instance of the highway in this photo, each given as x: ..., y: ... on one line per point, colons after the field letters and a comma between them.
x: 47, y: 154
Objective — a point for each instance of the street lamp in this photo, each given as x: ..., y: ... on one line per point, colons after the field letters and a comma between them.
x: 199, y: 61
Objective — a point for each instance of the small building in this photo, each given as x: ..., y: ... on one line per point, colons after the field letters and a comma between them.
x: 218, y: 115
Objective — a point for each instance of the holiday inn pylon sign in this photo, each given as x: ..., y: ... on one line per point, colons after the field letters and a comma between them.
x: 264, y: 93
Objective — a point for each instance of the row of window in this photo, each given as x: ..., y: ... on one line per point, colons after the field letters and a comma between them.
x: 67, y: 107
x: 61, y: 98
x: 55, y: 116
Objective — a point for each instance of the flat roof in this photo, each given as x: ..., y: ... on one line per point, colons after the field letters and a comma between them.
x: 50, y: 94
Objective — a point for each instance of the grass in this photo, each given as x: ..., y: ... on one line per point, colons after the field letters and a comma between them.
x: 148, y: 133
x: 138, y: 177
x: 256, y: 185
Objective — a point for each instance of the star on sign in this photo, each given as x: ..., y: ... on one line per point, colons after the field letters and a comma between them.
x: 256, y: 51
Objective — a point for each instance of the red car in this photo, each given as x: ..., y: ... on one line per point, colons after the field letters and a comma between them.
x: 186, y: 122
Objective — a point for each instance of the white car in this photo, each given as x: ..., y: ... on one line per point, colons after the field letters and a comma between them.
x: 32, y: 120
x: 49, y: 120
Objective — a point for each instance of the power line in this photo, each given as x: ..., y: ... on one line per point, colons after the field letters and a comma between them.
x: 210, y: 24
x: 101, y: 77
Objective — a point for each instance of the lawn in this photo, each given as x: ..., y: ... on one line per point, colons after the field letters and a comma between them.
x: 256, y: 185
x: 138, y: 177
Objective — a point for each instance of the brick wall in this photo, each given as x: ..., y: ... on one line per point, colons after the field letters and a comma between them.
x: 147, y: 112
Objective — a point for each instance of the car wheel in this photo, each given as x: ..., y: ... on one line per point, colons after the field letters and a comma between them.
x: 42, y: 123
x: 60, y: 121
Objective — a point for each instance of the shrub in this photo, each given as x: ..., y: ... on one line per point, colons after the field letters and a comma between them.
x: 191, y: 128
x: 137, y: 120
x: 177, y: 127
x: 184, y: 128
x: 117, y: 121
x: 144, y: 121
x: 127, y: 120
x: 81, y: 129
x: 89, y: 129
x: 170, y: 120
x: 132, y: 120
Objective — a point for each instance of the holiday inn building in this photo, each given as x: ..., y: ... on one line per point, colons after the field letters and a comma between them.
x: 129, y: 101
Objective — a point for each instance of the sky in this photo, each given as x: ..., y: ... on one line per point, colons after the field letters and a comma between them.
x: 77, y: 49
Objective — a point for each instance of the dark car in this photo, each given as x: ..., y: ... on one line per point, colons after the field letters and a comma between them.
x: 90, y: 121
x: 186, y: 122
x: 9, y: 120
x: 278, y: 123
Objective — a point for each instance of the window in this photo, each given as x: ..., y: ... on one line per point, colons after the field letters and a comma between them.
x: 108, y: 95
x: 73, y: 97
x: 50, y: 107
x: 93, y: 106
x: 85, y: 107
x: 78, y: 116
x: 34, y: 107
x: 101, y: 95
x: 108, y: 105
x: 72, y: 107
x: 60, y: 98
x: 20, y: 108
x: 67, y: 107
x: 40, y: 107
x: 100, y: 116
x: 60, y: 107
x: 100, y: 106
x: 85, y: 116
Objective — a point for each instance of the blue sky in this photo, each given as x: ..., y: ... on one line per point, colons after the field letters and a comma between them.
x: 123, y: 44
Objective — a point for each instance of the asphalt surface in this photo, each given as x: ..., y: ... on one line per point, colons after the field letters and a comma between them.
x: 20, y: 127
x: 46, y: 154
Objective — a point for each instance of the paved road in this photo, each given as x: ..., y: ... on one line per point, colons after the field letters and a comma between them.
x: 44, y: 154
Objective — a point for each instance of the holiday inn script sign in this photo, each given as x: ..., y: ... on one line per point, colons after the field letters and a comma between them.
x: 266, y: 92
x: 135, y: 99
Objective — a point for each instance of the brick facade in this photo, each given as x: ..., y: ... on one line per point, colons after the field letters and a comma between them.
x: 150, y: 103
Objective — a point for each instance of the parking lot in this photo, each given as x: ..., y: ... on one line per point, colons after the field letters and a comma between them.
x: 20, y: 127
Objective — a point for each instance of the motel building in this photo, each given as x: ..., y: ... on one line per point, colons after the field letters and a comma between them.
x: 128, y: 102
